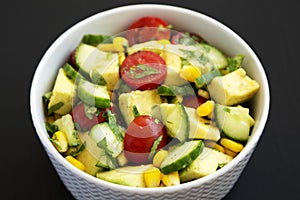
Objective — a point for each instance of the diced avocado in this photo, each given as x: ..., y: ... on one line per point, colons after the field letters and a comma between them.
x: 206, y: 163
x: 129, y: 175
x: 108, y: 69
x: 63, y: 92
x: 175, y: 118
x: 233, y: 121
x: 143, y: 100
x: 174, y: 65
x: 233, y: 88
x: 66, y: 125
x: 90, y: 155
x: 200, y: 130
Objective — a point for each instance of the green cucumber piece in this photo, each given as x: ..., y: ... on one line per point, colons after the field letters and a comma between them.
x: 204, y: 79
x: 185, y: 90
x: 215, y: 56
x: 103, y: 135
x: 92, y: 94
x: 94, y: 40
x: 175, y: 118
x: 88, y: 57
x: 233, y: 121
x: 71, y: 72
x: 181, y: 156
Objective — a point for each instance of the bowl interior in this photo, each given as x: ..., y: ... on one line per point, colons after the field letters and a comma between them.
x: 110, y: 22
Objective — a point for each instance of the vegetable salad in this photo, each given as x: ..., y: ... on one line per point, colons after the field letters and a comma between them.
x: 151, y: 107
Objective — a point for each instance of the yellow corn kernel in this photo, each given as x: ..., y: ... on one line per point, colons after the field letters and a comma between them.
x: 203, y: 93
x: 171, y: 178
x: 60, y: 141
x: 121, y: 57
x: 219, y: 148
x: 76, y: 162
x: 119, y: 43
x: 159, y: 157
x: 190, y: 73
x: 163, y: 42
x: 232, y: 145
x: 230, y: 153
x: 152, y: 177
x: 106, y: 47
x: 206, y: 108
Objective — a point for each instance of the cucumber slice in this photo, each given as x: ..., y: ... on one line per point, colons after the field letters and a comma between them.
x: 88, y: 57
x: 92, y: 94
x: 175, y: 118
x: 185, y: 90
x: 94, y: 40
x: 106, y: 139
x: 233, y: 121
x: 71, y: 72
x: 181, y: 156
x: 215, y: 56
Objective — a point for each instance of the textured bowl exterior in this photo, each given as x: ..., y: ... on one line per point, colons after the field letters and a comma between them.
x: 213, y: 189
x: 84, y: 186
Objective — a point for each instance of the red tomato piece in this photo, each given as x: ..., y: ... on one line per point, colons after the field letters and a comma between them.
x: 193, y: 101
x: 143, y: 70
x: 146, y: 29
x: 83, y: 121
x: 140, y: 136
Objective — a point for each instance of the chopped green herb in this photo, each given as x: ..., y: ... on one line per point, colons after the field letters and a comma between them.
x: 142, y: 71
x: 135, y: 111
x: 220, y: 165
x: 81, y: 148
x: 226, y: 109
x: 55, y: 107
x: 51, y: 128
x: 154, y: 147
x: 103, y: 145
x: 46, y: 97
x: 112, y: 122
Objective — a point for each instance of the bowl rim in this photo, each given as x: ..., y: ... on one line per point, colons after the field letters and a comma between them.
x: 41, y: 132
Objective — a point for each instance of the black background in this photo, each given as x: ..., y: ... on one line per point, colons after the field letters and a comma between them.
x: 270, y: 27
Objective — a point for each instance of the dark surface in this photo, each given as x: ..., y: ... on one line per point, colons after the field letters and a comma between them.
x: 270, y: 27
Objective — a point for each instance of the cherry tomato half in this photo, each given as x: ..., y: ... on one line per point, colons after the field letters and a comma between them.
x: 143, y: 70
x: 193, y: 101
x: 83, y: 121
x: 146, y: 29
x: 140, y: 136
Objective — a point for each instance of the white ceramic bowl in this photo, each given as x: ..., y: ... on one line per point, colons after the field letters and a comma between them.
x: 84, y: 186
